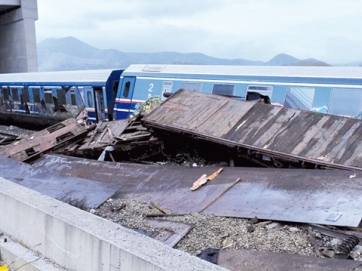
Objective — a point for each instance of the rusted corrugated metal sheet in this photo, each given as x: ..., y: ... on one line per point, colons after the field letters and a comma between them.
x: 60, y: 187
x: 246, y: 260
x: 281, y: 132
x: 57, y: 135
x: 298, y: 195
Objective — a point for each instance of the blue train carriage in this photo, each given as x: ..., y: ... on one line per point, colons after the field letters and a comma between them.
x: 38, y: 100
x: 99, y: 93
x: 332, y: 90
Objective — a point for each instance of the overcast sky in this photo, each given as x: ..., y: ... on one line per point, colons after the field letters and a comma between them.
x: 329, y: 30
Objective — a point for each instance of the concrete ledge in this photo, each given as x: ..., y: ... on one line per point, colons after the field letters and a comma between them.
x: 77, y: 240
x: 23, y: 258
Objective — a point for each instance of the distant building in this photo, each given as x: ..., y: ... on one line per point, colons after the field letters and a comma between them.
x: 17, y: 36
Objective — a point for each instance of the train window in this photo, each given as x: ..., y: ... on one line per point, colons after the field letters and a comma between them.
x: 25, y: 95
x: 126, y: 89
x: 89, y: 98
x: 73, y: 97
x: 192, y: 86
x: 300, y: 97
x: 6, y: 93
x: 115, y: 88
x: 61, y: 96
x: 15, y: 94
x: 223, y: 89
x: 340, y: 97
x: 255, y: 92
x: 48, y: 96
x: 36, y: 95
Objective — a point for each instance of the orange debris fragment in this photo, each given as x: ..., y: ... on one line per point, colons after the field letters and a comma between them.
x: 204, y: 179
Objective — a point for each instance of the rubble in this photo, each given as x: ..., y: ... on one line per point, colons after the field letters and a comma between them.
x: 210, y: 231
x: 272, y: 136
x: 228, y: 208
x: 58, y: 135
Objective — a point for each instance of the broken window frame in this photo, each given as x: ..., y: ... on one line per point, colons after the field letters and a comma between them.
x: 5, y: 89
x: 25, y: 97
x: 264, y: 90
x: 15, y: 94
x: 35, y: 91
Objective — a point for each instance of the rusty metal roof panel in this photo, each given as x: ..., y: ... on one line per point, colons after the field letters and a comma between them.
x: 61, y: 187
x: 248, y: 260
x: 307, y: 136
x: 328, y: 197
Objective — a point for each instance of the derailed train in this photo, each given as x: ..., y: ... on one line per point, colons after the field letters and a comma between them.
x: 115, y: 94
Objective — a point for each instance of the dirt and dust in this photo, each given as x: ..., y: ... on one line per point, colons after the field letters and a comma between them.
x: 218, y: 232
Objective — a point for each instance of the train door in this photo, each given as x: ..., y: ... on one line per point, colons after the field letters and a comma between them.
x: 124, y: 103
x: 99, y: 104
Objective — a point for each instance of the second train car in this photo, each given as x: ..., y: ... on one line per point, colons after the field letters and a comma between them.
x: 331, y: 90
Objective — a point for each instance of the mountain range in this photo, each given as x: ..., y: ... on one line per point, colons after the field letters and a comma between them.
x: 72, y: 54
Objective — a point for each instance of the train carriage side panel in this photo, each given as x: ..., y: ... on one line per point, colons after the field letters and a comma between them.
x: 111, y: 89
x: 123, y: 104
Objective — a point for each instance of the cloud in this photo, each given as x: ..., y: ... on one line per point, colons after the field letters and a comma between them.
x: 256, y: 30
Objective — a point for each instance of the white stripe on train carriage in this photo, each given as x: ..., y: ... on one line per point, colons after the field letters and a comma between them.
x: 90, y: 109
x: 20, y: 110
x: 124, y: 110
x: 129, y: 100
x: 121, y: 110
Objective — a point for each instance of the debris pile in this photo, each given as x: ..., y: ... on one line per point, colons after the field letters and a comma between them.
x: 213, y: 200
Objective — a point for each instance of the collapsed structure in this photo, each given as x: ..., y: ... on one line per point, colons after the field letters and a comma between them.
x: 198, y: 129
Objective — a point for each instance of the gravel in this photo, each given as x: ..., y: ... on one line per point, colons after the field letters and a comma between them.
x: 212, y: 231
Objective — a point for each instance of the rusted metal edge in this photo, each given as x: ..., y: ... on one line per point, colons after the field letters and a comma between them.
x: 234, y: 144
x: 247, y: 260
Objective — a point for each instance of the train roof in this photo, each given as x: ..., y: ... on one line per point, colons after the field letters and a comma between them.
x: 162, y: 70
x: 82, y: 77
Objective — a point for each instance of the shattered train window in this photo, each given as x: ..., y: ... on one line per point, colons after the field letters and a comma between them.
x: 15, y: 94
x: 6, y: 94
x: 25, y: 95
x: 36, y: 95
x: 48, y: 96
x: 256, y: 92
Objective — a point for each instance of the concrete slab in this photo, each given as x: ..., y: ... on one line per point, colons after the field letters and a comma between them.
x: 77, y: 240
x: 18, y: 257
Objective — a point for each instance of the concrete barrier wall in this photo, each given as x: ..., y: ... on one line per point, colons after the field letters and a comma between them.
x: 78, y: 240
x: 20, y: 258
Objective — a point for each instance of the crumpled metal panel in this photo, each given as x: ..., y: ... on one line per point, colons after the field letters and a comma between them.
x: 296, y: 195
x: 246, y: 260
x: 317, y: 138
x: 54, y: 185
x: 32, y: 145
x: 307, y: 200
